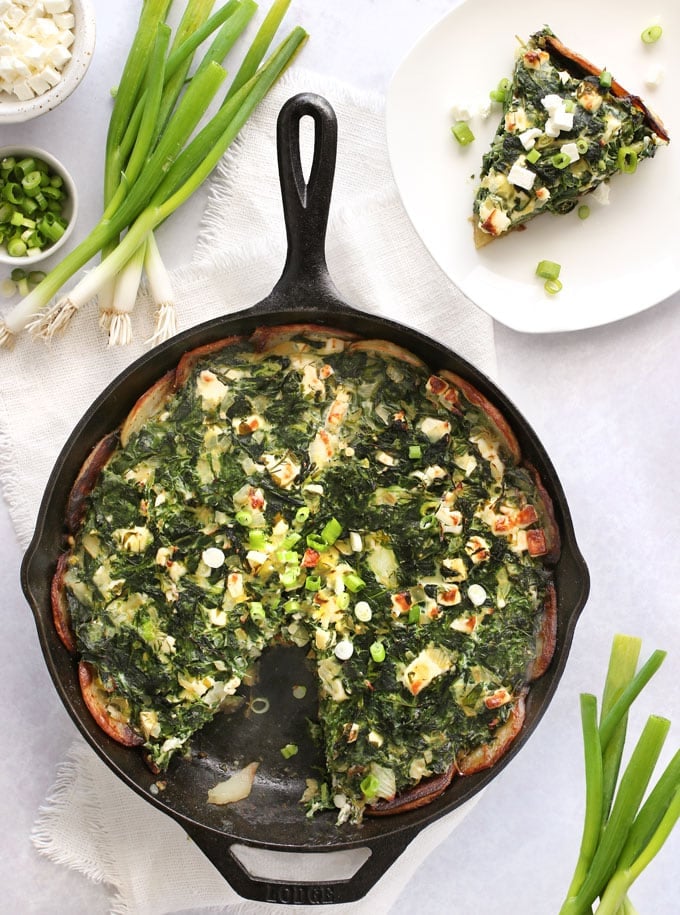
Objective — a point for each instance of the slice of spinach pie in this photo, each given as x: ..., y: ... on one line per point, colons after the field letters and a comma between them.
x: 567, y: 127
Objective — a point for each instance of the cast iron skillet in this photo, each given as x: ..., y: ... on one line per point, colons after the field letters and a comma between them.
x: 272, y: 817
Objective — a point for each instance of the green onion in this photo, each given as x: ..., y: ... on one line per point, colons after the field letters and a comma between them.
x: 369, y: 786
x: 377, y: 651
x: 500, y: 93
x: 289, y: 750
x: 582, y: 146
x: 552, y: 287
x: 31, y: 197
x: 316, y: 542
x: 331, y: 531
x: 152, y: 166
x: 605, y: 79
x: 651, y: 34
x: 243, y: 517
x: 533, y: 156
x: 560, y: 160
x: 462, y: 133
x: 583, y: 211
x: 415, y: 452
x: 342, y: 600
x: 292, y: 606
x: 414, y: 614
x: 256, y: 611
x: 289, y: 577
x: 313, y: 583
x: 257, y: 540
x: 548, y: 270
x: 621, y: 834
x: 291, y: 539
x: 301, y: 515
x: 427, y: 521
x: 354, y: 582
x: 627, y: 159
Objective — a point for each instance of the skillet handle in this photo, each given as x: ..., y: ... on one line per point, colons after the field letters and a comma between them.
x: 379, y: 855
x: 306, y: 203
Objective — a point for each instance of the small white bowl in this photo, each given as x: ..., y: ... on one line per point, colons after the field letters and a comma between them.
x: 70, y: 210
x: 12, y: 110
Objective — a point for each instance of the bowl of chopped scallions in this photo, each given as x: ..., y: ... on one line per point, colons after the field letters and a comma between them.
x: 38, y: 205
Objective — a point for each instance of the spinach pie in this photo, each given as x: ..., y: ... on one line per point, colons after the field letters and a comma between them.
x: 567, y: 128
x: 304, y: 485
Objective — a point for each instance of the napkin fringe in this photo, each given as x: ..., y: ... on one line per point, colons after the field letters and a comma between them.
x: 12, y: 490
x: 46, y: 834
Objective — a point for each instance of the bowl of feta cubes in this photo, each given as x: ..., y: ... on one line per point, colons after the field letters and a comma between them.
x: 45, y: 49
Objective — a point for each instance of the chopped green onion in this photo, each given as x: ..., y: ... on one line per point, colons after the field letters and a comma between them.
x: 331, y: 531
x: 552, y: 287
x: 316, y: 542
x: 605, y: 79
x: 299, y: 691
x: 313, y: 583
x: 257, y: 613
x: 292, y: 606
x: 548, y: 270
x: 257, y: 540
x: 244, y: 517
x: 583, y: 211
x: 369, y: 786
x: 291, y: 539
x: 414, y: 614
x: 354, y: 582
x: 533, y: 156
x: 377, y: 651
x: 560, y: 160
x: 651, y: 34
x: 342, y: 600
x: 462, y: 133
x: 259, y: 705
x: 500, y: 93
x: 415, y: 452
x: 627, y: 159
x: 427, y: 521
x: 25, y: 187
x: 301, y: 515
x: 582, y: 146
x: 289, y: 750
x: 289, y: 577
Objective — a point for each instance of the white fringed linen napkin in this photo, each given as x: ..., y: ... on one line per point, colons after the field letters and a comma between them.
x: 92, y: 821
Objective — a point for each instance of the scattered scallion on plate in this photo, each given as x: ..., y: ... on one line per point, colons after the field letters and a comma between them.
x: 550, y: 272
x: 162, y: 144
x: 623, y: 830
x: 462, y: 132
x: 651, y: 34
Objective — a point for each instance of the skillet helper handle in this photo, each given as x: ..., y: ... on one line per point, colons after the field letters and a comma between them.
x: 380, y: 854
x: 306, y: 203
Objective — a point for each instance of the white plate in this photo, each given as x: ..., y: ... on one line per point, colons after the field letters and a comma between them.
x: 625, y: 256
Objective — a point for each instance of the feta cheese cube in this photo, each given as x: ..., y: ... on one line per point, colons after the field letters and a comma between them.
x: 654, y: 75
x: 57, y: 6
x: 521, y: 176
x: 528, y: 137
x: 601, y: 194
x: 570, y: 150
x: 461, y: 112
